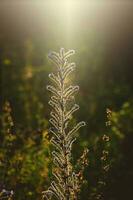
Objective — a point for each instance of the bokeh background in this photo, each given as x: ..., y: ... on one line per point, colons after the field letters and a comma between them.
x: 101, y: 32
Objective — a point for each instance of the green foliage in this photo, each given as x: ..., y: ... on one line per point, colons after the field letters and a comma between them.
x: 24, y: 159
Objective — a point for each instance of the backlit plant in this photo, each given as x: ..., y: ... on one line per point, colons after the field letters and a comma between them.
x: 67, y: 181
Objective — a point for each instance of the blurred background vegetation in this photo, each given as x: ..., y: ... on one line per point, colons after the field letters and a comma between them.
x: 101, y: 32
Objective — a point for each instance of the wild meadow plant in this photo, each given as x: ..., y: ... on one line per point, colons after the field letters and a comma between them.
x: 6, y: 138
x: 102, y: 154
x: 67, y: 182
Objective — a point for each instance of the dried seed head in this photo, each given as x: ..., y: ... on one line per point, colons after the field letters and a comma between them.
x: 105, y: 138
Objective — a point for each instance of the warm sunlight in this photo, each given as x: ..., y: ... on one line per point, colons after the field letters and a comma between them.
x: 66, y: 129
